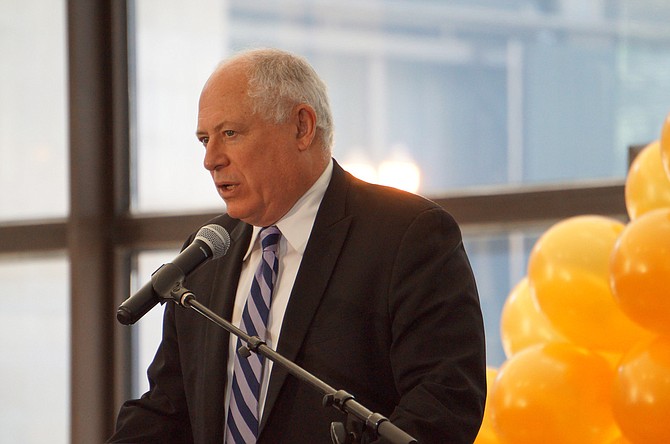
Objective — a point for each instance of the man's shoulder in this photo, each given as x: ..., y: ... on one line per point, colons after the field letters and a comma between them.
x: 384, y: 198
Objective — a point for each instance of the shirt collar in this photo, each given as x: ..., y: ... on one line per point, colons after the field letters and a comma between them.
x: 296, y: 225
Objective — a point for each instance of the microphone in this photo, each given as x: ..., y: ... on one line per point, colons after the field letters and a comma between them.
x: 211, y: 242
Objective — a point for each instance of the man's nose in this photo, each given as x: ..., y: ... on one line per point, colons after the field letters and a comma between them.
x: 215, y: 156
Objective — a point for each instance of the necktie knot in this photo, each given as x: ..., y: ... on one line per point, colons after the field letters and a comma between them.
x: 270, y: 238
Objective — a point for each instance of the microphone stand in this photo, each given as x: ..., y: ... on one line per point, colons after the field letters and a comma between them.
x: 362, y: 425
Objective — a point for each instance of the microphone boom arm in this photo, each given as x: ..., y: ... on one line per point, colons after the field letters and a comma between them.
x: 360, y: 420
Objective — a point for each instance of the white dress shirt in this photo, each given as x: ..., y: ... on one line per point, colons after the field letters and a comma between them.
x: 295, y: 227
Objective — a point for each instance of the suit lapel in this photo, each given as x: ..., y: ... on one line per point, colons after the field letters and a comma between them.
x: 228, y: 269
x: 328, y: 235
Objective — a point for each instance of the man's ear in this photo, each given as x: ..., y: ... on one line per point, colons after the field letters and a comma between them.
x: 306, y: 125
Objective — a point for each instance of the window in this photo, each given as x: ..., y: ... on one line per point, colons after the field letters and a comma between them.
x: 33, y: 110
x: 35, y: 352
x: 474, y: 95
x: 516, y: 113
x: 35, y: 319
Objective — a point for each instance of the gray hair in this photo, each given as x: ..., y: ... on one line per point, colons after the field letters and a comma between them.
x: 279, y: 80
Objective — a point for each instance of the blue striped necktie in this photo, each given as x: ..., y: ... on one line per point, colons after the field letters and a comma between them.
x: 243, y: 418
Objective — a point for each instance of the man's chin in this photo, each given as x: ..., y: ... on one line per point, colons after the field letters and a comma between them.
x: 236, y: 212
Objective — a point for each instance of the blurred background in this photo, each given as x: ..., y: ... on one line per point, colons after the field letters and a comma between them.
x: 512, y: 114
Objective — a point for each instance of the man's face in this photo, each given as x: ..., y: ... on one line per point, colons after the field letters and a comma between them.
x: 255, y: 164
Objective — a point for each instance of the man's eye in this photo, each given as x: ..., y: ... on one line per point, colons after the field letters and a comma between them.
x: 204, y: 141
x: 228, y: 133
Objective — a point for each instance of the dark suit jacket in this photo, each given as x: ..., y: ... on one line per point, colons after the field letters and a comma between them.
x: 384, y: 306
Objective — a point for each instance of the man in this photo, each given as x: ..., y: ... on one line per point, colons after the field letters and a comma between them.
x: 373, y: 293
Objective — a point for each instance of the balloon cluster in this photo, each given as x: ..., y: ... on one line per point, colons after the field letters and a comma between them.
x: 586, y: 332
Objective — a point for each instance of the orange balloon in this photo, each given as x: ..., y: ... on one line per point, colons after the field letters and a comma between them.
x: 522, y: 324
x: 641, y: 394
x: 487, y: 434
x: 568, y: 273
x: 665, y: 145
x: 640, y: 271
x: 647, y: 185
x: 554, y: 393
x: 620, y: 440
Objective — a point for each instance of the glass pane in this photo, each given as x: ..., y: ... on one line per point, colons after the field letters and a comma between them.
x: 146, y: 333
x: 499, y: 262
x: 33, y: 110
x: 35, y: 352
x: 472, y: 93
x: 177, y: 45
